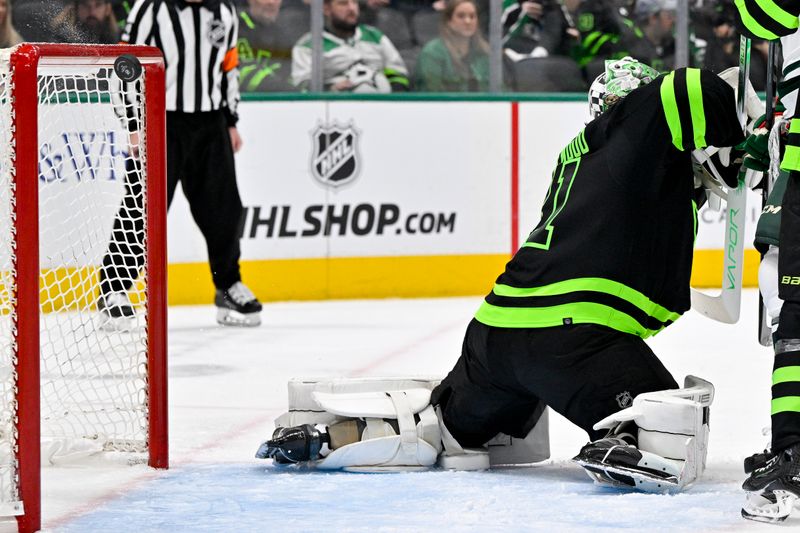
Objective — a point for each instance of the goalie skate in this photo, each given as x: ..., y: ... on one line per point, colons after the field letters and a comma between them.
x: 616, y: 463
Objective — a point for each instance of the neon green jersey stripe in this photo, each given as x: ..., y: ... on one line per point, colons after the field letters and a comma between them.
x: 590, y: 39
x: 752, y: 24
x: 546, y: 317
x: 778, y: 14
x: 787, y: 404
x: 791, y: 158
x: 671, y: 109
x: 696, y: 107
x: 786, y: 374
x: 247, y: 20
x: 603, y: 285
x: 600, y: 42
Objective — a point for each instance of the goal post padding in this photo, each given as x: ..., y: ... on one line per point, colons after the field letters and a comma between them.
x: 66, y: 171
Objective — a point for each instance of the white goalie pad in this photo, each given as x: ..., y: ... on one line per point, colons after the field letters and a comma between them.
x: 420, y: 439
x: 417, y: 445
x: 673, y: 429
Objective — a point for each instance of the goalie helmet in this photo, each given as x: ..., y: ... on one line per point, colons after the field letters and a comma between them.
x: 621, y: 76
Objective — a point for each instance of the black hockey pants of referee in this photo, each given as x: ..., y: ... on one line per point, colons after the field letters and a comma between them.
x: 200, y: 157
x: 505, y: 377
x: 786, y: 382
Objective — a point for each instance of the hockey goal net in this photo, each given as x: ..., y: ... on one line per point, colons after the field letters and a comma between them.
x: 73, y: 179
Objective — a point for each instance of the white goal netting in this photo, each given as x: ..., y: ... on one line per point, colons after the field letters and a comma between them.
x: 94, y: 390
x: 9, y: 490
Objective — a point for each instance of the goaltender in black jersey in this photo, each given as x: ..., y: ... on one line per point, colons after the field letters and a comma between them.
x: 607, y: 265
x: 614, y: 243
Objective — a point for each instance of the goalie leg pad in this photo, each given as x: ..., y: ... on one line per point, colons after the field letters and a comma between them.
x: 380, y: 446
x: 672, y: 439
x: 373, y: 400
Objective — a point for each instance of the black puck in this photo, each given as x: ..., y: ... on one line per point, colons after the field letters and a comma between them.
x: 128, y: 68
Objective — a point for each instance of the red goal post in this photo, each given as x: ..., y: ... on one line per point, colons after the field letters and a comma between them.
x: 66, y: 168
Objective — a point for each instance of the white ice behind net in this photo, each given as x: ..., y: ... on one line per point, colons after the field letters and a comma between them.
x: 93, y: 373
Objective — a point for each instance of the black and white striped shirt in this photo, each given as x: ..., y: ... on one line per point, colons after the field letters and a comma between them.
x: 198, y: 40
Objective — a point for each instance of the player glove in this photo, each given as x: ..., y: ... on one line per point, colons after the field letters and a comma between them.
x: 756, y: 147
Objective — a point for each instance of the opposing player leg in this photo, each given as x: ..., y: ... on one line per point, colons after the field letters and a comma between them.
x: 773, y: 484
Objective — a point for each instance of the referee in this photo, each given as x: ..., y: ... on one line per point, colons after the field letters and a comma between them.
x: 198, y: 40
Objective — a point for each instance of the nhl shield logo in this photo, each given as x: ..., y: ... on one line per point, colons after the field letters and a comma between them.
x: 624, y: 399
x: 334, y: 158
x: 216, y: 33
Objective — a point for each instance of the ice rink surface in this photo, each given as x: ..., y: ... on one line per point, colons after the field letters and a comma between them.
x: 227, y: 386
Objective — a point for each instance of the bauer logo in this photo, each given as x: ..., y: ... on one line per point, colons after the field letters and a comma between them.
x: 335, y: 159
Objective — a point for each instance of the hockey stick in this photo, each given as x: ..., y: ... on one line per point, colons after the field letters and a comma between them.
x: 764, y: 327
x: 725, y: 307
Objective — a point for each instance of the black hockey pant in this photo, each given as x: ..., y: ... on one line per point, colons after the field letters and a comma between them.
x: 200, y: 157
x: 786, y: 370
x: 505, y: 375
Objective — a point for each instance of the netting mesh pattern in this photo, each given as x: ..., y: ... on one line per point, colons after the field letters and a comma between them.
x: 91, y: 213
x: 9, y: 489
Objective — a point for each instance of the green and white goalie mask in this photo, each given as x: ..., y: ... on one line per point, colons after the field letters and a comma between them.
x: 621, y: 76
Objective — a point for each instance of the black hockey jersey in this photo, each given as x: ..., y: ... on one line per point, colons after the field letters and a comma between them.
x: 614, y: 243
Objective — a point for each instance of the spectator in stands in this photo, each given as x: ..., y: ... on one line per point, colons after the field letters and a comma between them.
x: 599, y: 26
x: 121, y: 9
x: 457, y: 60
x: 265, y: 45
x: 656, y: 18
x: 534, y: 29
x: 8, y: 35
x: 87, y: 21
x: 357, y: 57
x: 34, y: 19
x: 723, y: 43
